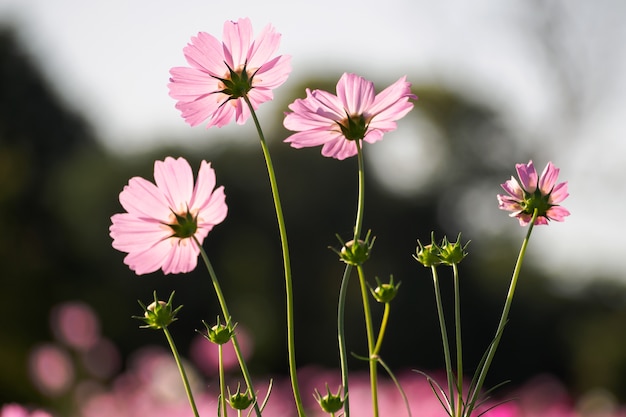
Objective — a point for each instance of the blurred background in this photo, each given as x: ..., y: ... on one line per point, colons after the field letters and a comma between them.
x: 84, y: 107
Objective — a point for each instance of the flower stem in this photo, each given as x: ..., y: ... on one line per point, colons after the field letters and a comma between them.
x: 227, y: 317
x: 444, y: 340
x: 383, y: 328
x: 370, y: 339
x: 459, y: 346
x: 286, y: 261
x: 220, y: 352
x: 341, y: 335
x: 181, y: 369
x: 503, y: 319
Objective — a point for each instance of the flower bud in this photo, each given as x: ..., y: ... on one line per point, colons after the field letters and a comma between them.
x: 159, y: 314
x: 330, y: 403
x: 384, y: 293
x: 428, y: 255
x: 220, y: 333
x: 356, y: 252
x: 452, y: 253
x: 239, y: 400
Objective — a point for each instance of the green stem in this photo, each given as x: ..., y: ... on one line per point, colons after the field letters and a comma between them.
x: 341, y: 334
x: 383, y: 328
x: 370, y: 339
x: 503, y: 319
x: 227, y: 317
x: 222, y: 379
x: 459, y: 346
x: 286, y: 262
x: 444, y: 339
x: 181, y: 369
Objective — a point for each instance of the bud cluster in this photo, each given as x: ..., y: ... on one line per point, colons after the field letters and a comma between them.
x: 446, y: 253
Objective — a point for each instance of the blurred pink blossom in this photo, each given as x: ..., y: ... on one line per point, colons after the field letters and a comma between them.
x: 16, y: 410
x: 76, y: 325
x: 221, y: 73
x: 157, y: 229
x: 51, y: 369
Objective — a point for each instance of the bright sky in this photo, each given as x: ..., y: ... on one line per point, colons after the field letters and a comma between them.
x: 110, y: 59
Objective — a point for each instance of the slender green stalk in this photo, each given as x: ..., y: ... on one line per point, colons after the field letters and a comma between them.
x: 358, y: 225
x: 181, y: 369
x: 503, y: 319
x: 444, y: 339
x: 459, y: 346
x: 341, y: 336
x: 370, y: 339
x: 286, y: 261
x: 227, y: 317
x: 383, y: 328
x: 220, y: 359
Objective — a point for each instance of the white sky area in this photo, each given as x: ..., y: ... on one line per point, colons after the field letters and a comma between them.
x: 110, y: 60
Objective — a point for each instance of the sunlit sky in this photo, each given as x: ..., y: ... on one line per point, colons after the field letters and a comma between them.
x: 110, y: 60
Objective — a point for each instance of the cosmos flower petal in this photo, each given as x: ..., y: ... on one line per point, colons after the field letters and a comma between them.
x: 557, y: 213
x: 181, y: 258
x: 205, y: 53
x: 142, y: 198
x: 513, y: 188
x: 175, y: 179
x: 393, y: 102
x: 548, y: 178
x: 528, y: 176
x: 237, y: 38
x: 356, y: 93
x: 132, y: 233
x: 559, y: 193
x: 265, y: 45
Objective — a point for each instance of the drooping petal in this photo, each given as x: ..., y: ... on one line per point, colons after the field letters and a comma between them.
x: 557, y: 213
x: 181, y: 258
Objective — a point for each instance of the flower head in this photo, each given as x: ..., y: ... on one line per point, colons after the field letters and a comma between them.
x: 222, y: 73
x: 355, y: 113
x: 162, y: 220
x: 533, y: 192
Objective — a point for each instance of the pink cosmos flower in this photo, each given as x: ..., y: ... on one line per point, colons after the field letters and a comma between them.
x: 222, y: 73
x: 157, y: 229
x: 355, y: 113
x: 533, y: 192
